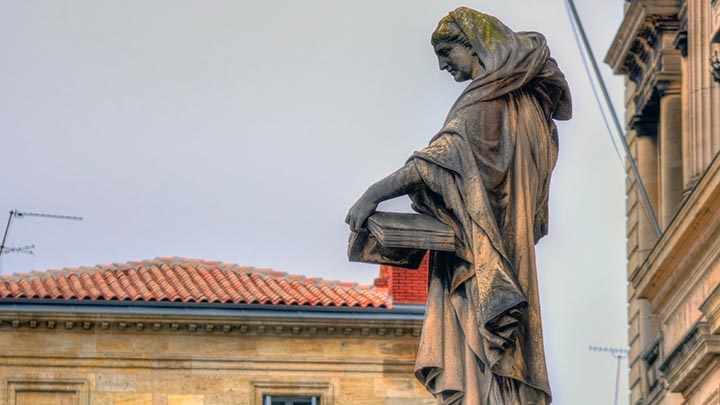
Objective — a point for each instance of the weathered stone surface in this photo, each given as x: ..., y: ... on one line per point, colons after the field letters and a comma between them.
x: 115, y: 382
x: 133, y: 399
x: 45, y: 398
x: 482, y: 188
x: 186, y: 400
x: 665, y: 49
x: 166, y: 367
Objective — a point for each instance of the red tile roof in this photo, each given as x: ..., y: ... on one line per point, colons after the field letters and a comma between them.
x: 189, y: 281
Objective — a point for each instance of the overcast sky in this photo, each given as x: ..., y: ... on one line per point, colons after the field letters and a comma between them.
x: 243, y: 131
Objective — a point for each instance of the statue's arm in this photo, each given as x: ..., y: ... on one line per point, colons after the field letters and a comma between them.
x: 403, y: 181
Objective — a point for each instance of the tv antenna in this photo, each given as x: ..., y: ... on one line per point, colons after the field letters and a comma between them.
x: 28, y: 248
x: 619, y: 354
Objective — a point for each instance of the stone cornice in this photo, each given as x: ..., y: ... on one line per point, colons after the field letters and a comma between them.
x: 691, y: 240
x: 690, y: 357
x: 240, y: 325
x: 643, y: 51
x: 681, y: 37
x: 636, y: 16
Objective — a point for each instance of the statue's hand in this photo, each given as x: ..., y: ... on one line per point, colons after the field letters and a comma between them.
x: 360, y: 212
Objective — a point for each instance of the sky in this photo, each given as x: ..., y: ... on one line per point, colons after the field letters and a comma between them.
x: 242, y: 132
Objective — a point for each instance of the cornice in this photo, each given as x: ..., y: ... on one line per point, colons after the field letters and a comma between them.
x: 692, y: 238
x: 690, y: 357
x: 271, y: 327
x: 644, y: 51
x: 681, y: 37
x: 268, y: 323
x: 636, y: 16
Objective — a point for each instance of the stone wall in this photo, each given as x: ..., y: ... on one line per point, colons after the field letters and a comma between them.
x: 155, y: 360
x: 663, y: 48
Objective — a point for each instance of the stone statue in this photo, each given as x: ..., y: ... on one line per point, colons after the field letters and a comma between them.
x: 486, y: 175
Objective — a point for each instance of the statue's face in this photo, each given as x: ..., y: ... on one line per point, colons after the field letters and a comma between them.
x: 459, y: 60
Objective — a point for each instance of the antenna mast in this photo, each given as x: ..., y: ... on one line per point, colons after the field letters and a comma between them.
x: 619, y: 354
x: 28, y: 248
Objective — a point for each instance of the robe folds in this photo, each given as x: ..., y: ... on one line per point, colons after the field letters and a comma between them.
x: 487, y: 176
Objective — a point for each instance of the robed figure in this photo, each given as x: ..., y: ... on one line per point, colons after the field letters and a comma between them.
x: 486, y: 174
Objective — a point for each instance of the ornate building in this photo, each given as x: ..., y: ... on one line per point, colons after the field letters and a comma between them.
x: 668, y: 52
x: 190, y: 332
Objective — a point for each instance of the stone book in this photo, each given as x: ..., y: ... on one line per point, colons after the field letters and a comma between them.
x: 414, y: 231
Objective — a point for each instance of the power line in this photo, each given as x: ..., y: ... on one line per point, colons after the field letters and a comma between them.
x: 578, y: 41
x: 579, y: 30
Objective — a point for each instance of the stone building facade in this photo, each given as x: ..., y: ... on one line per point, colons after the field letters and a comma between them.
x: 181, y: 332
x: 668, y: 52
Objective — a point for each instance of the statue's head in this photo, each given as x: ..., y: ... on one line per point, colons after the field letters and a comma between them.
x: 468, y: 43
x: 474, y: 45
x: 454, y: 51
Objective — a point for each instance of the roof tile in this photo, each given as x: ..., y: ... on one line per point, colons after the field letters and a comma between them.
x: 189, y: 280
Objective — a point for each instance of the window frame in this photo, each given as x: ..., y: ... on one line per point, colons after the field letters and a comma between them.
x: 77, y: 386
x: 321, y: 390
x: 291, y: 399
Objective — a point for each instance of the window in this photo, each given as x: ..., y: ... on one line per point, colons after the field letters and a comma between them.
x: 293, y: 393
x: 285, y: 400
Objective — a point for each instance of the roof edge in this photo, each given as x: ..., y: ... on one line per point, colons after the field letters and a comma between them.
x: 36, y: 304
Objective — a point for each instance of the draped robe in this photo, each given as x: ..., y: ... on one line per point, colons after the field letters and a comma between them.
x: 487, y: 176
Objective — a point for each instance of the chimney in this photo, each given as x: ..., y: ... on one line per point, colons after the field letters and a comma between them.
x: 405, y: 286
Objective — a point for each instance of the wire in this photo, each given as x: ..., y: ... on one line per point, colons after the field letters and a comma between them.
x: 593, y: 87
x: 647, y: 205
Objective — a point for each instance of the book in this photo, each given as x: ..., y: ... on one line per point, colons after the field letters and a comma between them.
x: 413, y: 231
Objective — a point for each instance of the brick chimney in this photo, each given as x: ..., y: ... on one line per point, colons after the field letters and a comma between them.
x: 405, y: 286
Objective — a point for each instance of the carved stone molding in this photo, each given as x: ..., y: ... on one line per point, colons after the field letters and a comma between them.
x: 681, y: 37
x: 645, y: 47
x: 645, y: 50
x: 322, y: 390
x: 71, y: 390
x: 257, y: 327
x: 655, y: 383
x: 690, y: 241
x: 690, y: 357
x: 715, y: 66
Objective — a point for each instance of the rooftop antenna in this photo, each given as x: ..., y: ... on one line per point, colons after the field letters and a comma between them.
x: 29, y: 248
x: 20, y: 249
x: 619, y: 354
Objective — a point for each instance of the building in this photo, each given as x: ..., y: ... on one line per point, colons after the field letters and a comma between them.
x: 668, y: 52
x: 181, y: 331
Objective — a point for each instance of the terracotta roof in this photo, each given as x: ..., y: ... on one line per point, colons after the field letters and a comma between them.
x: 189, y: 281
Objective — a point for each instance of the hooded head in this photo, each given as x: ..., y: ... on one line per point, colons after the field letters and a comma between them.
x: 501, y: 60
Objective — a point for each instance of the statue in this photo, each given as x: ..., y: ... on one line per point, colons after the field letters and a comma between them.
x: 486, y: 175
